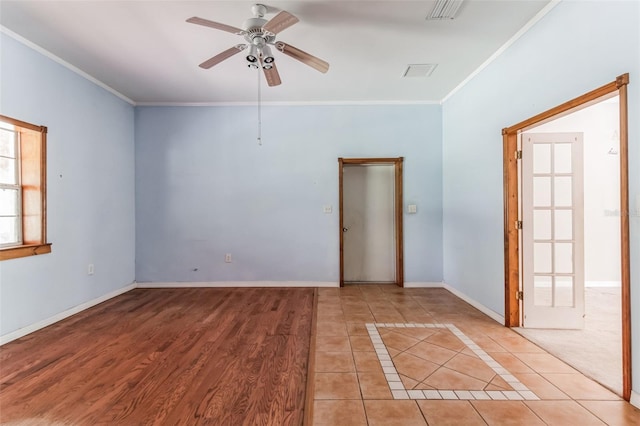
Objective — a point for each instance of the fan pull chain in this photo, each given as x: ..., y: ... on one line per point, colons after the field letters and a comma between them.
x: 259, y: 112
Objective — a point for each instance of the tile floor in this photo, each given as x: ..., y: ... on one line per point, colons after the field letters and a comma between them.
x: 596, y: 349
x: 392, y: 356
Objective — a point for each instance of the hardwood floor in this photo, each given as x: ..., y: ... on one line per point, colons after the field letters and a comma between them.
x: 166, y: 356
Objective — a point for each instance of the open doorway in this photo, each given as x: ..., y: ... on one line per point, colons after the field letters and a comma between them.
x: 586, y: 332
x: 371, y: 247
x: 513, y: 224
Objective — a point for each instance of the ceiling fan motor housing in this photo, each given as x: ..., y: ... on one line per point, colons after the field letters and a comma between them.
x: 253, y: 28
x: 255, y: 35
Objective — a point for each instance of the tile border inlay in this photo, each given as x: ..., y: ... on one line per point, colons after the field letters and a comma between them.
x: 520, y: 392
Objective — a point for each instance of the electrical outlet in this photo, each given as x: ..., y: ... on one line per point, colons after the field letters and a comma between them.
x: 327, y: 209
x: 90, y: 269
x: 227, y: 257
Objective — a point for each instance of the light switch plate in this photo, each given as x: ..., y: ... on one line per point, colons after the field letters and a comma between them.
x: 412, y: 208
x: 327, y: 209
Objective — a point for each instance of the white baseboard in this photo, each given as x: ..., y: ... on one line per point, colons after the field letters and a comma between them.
x: 423, y: 284
x: 220, y: 284
x: 6, y: 338
x: 635, y: 399
x: 492, y: 314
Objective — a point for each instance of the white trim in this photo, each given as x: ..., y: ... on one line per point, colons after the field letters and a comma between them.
x: 64, y: 63
x: 424, y: 284
x: 496, y: 316
x: 538, y: 16
x: 221, y: 284
x: 291, y: 103
x: 635, y: 399
x: 62, y: 315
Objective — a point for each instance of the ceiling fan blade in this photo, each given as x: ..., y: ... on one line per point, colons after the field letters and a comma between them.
x: 272, y: 75
x: 222, y: 56
x: 216, y: 25
x: 303, y: 56
x: 280, y: 22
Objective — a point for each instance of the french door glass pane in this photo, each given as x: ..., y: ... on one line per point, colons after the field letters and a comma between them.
x: 564, y: 291
x: 542, y: 258
x: 564, y: 258
x: 562, y: 158
x: 541, y: 191
x: 562, y: 191
x: 8, y: 202
x: 563, y: 225
x: 542, y: 291
x: 542, y: 224
x: 541, y: 158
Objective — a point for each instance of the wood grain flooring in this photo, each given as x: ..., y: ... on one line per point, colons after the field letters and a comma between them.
x: 166, y: 356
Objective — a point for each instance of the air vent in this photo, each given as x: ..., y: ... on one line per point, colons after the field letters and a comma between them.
x: 444, y: 9
x: 419, y: 70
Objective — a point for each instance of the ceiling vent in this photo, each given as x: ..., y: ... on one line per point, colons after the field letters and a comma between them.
x: 419, y: 70
x: 444, y: 9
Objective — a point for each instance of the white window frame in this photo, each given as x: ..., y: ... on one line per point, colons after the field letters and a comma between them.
x: 17, y: 187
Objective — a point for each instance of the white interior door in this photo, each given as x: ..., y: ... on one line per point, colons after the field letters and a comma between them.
x: 552, y: 230
x: 368, y: 218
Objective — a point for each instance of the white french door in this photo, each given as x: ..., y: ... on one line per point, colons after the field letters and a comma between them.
x: 552, y: 230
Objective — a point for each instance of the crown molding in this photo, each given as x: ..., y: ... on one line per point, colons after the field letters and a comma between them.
x: 46, y: 53
x: 504, y: 47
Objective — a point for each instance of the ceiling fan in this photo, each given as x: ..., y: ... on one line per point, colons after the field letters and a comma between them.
x: 260, y: 34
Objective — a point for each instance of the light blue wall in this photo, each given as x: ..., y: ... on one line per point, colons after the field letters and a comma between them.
x: 577, y: 47
x: 205, y: 188
x: 90, y: 180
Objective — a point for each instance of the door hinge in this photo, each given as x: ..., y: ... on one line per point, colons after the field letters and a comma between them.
x: 519, y: 155
x: 518, y: 224
x: 519, y: 295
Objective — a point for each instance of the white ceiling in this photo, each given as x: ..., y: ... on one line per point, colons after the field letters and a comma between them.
x: 146, y: 51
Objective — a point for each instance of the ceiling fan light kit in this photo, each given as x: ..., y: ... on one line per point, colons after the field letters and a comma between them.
x: 260, y: 34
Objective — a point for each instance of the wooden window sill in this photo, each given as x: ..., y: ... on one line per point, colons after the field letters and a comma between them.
x: 24, y: 251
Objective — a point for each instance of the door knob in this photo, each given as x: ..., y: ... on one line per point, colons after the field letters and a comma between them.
x: 345, y: 229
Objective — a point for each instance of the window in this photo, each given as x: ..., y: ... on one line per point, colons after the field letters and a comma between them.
x: 10, y: 193
x: 22, y: 189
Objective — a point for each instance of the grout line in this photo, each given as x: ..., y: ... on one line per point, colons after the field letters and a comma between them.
x: 309, y: 400
x: 396, y: 386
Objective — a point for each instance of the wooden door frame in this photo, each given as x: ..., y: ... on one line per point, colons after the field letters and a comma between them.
x: 511, y: 196
x: 397, y: 166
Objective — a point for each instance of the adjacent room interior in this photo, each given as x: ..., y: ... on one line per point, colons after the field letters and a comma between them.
x: 203, y: 223
x: 596, y: 347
